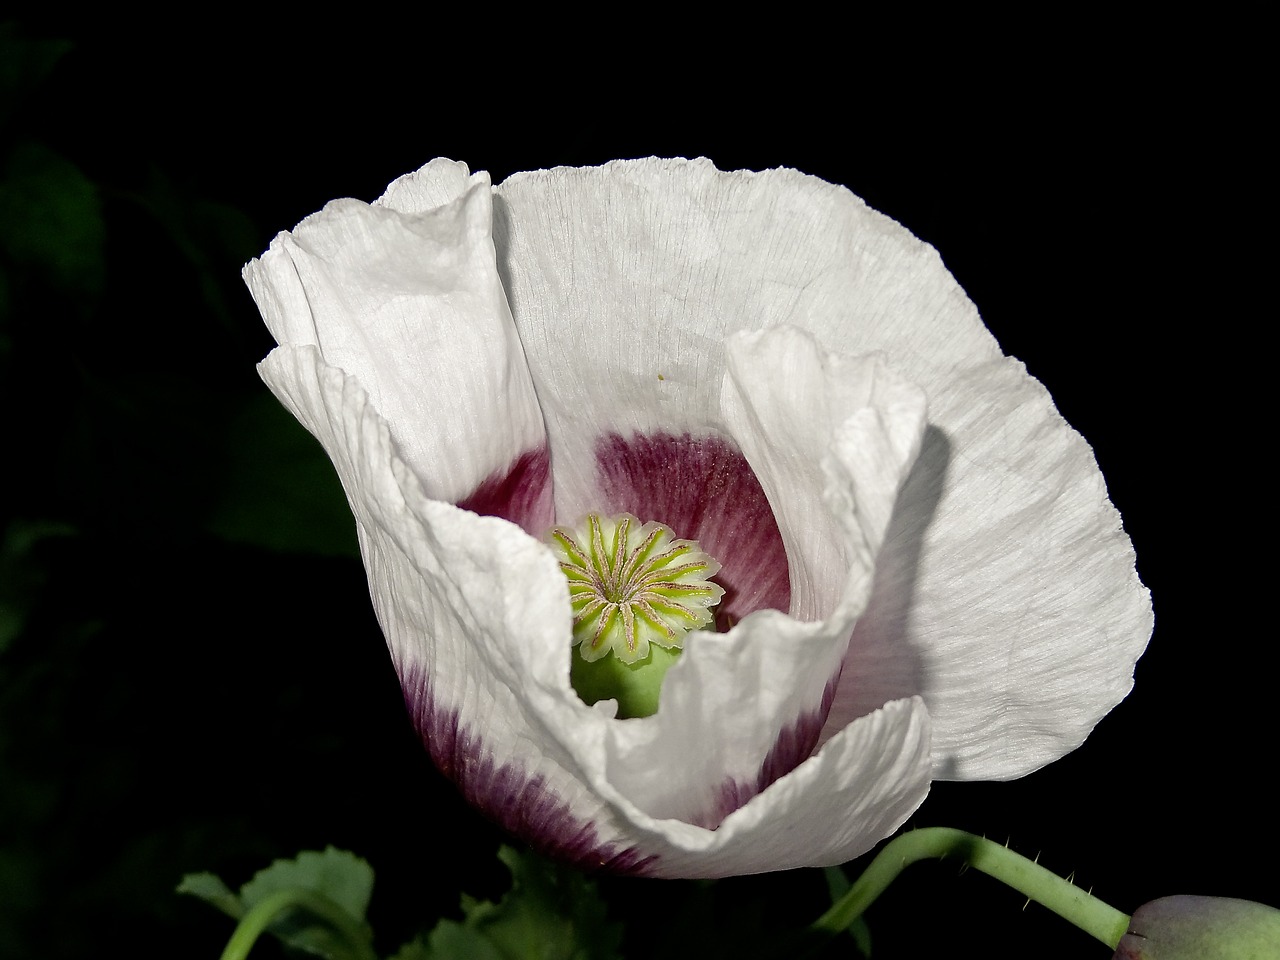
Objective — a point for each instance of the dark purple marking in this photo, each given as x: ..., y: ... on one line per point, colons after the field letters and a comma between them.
x: 795, y: 744
x: 522, y: 805
x: 704, y: 490
x: 522, y: 493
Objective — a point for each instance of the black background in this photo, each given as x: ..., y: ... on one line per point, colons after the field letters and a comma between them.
x: 185, y: 698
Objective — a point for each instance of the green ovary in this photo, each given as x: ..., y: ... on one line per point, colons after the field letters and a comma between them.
x: 635, y: 590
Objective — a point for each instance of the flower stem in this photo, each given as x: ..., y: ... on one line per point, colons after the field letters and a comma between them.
x: 1098, y: 919
x: 259, y: 918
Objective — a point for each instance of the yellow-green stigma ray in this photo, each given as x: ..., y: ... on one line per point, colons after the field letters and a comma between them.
x: 635, y: 590
x: 633, y: 584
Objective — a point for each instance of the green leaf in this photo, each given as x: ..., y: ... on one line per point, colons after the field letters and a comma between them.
x: 212, y: 890
x: 416, y: 949
x: 551, y: 913
x: 340, y: 876
x: 343, y: 877
x: 451, y: 940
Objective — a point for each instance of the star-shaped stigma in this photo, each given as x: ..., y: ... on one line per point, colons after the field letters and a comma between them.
x: 632, y: 584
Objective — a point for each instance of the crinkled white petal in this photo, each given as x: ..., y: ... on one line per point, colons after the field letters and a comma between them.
x: 807, y: 420
x: 858, y: 789
x: 851, y: 434
x: 1006, y: 594
x: 409, y: 302
x: 455, y: 593
x: 473, y: 601
x: 997, y: 587
x: 653, y: 263
x: 438, y: 184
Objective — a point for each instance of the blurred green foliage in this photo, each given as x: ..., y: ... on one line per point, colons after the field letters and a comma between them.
x: 342, y: 877
x: 550, y: 912
x: 148, y: 474
x: 51, y: 226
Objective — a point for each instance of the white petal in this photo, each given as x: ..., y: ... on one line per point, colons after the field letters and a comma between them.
x: 457, y: 595
x: 476, y: 615
x: 1006, y: 594
x: 437, y: 184
x: 859, y: 789
x: 831, y: 438
x: 410, y: 304
x: 830, y: 456
x: 626, y: 279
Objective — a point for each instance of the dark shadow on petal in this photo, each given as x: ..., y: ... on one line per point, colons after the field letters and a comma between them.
x: 881, y: 664
x: 502, y: 244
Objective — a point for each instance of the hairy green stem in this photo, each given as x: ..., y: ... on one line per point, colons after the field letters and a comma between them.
x: 259, y: 918
x: 1087, y: 912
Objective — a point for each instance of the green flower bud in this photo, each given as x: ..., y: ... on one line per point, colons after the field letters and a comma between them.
x: 1201, y: 928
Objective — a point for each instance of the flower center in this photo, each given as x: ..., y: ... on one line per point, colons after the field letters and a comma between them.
x: 635, y: 590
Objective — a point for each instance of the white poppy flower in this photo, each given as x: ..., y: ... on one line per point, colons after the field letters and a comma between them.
x: 910, y: 592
